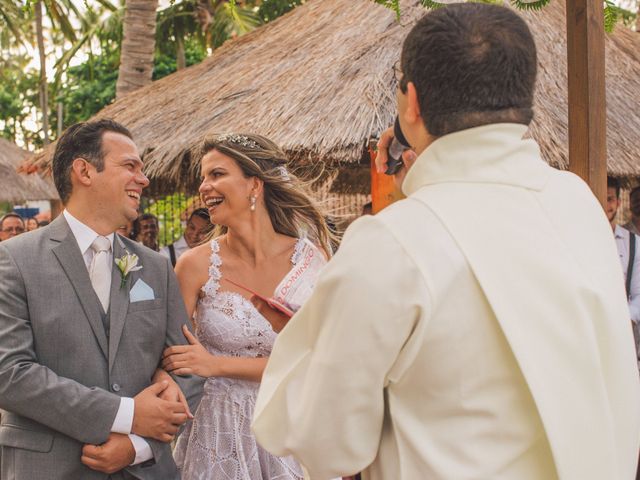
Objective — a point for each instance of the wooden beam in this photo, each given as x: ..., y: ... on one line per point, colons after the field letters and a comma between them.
x: 587, y: 105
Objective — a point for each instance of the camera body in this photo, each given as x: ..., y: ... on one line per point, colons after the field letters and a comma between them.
x: 398, y: 145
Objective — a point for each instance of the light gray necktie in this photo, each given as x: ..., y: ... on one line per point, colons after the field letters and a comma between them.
x: 100, y: 271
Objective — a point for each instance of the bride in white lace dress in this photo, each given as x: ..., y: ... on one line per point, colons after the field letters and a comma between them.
x: 274, y: 242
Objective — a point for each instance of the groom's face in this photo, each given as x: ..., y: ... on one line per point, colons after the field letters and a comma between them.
x: 118, y: 187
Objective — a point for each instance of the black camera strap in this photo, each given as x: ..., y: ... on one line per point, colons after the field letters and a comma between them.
x: 172, y: 254
x: 632, y: 254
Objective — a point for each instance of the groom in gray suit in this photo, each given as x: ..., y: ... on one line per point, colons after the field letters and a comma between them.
x: 84, y: 317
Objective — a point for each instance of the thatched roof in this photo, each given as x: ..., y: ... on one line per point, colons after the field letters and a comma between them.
x: 18, y: 187
x: 622, y: 52
x: 319, y: 82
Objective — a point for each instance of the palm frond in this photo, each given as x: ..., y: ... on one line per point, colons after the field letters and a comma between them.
x: 12, y: 16
x: 242, y: 19
x: 390, y: 4
x: 108, y: 5
x: 64, y: 60
x: 58, y: 16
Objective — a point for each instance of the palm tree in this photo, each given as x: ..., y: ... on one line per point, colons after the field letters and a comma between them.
x: 138, y: 44
x: 44, y: 91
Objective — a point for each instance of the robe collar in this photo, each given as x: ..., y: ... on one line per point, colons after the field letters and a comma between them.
x: 494, y: 153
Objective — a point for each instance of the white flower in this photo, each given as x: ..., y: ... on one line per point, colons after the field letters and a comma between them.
x: 126, y: 264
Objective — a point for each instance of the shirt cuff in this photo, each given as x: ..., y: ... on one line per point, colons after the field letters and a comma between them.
x: 142, y: 448
x: 124, y: 418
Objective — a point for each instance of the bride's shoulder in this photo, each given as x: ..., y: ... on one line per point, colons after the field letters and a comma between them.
x: 196, y: 256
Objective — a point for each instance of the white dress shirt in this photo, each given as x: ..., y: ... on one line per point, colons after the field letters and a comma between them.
x: 622, y: 242
x: 180, y: 246
x: 123, y: 422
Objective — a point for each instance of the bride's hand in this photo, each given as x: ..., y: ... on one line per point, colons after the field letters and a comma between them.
x: 277, y: 320
x: 173, y: 392
x: 192, y: 359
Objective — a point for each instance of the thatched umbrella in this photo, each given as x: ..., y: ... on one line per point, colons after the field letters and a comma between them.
x: 319, y: 82
x: 18, y: 187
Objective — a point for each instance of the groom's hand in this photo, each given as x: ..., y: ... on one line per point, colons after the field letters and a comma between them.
x: 110, y: 457
x: 157, y: 418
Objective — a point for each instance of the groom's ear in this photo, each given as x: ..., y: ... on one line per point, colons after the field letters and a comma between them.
x: 81, y: 170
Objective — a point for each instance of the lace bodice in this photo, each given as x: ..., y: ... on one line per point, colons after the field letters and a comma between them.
x: 228, y: 323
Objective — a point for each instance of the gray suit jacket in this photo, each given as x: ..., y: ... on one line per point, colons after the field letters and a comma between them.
x: 61, y: 376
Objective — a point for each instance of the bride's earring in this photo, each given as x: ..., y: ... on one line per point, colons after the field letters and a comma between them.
x: 252, y: 200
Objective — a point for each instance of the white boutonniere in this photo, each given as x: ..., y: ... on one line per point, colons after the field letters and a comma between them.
x: 126, y: 264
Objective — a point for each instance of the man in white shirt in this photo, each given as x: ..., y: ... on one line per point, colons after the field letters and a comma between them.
x: 477, y: 329
x: 633, y: 225
x: 198, y: 225
x: 629, y: 256
x: 84, y: 317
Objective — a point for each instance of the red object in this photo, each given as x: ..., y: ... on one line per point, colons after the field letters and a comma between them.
x: 383, y: 188
x: 272, y: 302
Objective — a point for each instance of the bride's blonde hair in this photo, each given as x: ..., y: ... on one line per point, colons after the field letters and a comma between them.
x: 288, y: 200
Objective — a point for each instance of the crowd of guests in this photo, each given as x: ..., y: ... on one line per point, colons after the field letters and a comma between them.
x: 144, y: 229
x: 12, y: 224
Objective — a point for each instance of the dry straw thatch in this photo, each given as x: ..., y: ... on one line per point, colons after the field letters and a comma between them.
x: 18, y: 187
x: 319, y: 82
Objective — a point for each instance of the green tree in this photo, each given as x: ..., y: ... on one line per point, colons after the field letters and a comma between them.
x: 18, y: 97
x: 272, y: 9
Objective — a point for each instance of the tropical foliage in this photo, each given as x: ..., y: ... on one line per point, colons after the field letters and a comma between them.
x: 81, y: 44
x: 612, y: 12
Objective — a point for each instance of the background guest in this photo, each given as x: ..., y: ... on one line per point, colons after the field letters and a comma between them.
x: 11, y: 224
x: 125, y: 230
x: 627, y: 243
x: 633, y: 225
x: 145, y: 231
x: 31, y: 224
x: 198, y: 225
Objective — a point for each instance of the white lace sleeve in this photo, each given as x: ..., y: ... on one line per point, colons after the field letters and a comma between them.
x: 213, y: 283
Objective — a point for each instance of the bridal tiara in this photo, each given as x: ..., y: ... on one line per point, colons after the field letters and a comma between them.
x: 242, y: 140
x: 245, y: 141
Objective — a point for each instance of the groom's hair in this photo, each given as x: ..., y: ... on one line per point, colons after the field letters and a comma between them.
x: 82, y: 140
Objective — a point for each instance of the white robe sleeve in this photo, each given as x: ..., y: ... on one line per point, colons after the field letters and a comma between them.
x: 322, y: 394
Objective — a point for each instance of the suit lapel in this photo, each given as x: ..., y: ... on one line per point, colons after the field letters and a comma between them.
x: 119, y: 301
x: 68, y: 254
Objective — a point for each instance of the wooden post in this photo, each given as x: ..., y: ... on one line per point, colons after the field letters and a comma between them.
x: 587, y: 106
x: 383, y: 189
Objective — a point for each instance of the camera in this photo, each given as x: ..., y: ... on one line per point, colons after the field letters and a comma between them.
x: 398, y: 145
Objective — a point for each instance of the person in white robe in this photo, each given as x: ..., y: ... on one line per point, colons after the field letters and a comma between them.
x: 477, y: 329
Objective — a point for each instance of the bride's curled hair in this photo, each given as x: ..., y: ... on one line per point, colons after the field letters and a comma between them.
x: 288, y: 200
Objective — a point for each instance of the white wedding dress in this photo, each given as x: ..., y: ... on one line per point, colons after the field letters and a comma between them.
x: 218, y: 443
